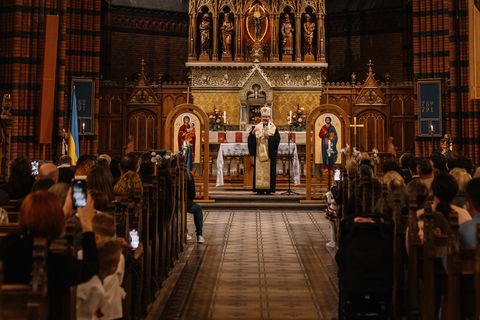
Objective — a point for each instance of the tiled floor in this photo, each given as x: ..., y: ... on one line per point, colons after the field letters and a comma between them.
x: 258, y: 265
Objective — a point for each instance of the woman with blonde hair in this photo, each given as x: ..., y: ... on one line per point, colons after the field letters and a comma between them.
x: 462, y: 177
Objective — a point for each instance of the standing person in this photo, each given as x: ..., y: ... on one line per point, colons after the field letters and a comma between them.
x: 329, y: 137
x: 391, y: 148
x: 263, y: 144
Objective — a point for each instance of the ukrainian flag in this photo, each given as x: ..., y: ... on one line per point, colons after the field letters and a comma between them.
x: 73, y: 142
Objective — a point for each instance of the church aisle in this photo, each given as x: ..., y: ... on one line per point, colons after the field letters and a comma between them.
x: 258, y: 265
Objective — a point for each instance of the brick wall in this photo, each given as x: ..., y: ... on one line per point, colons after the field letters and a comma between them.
x: 441, y: 50
x: 22, y: 27
x: 164, y: 55
x: 159, y: 37
x: 355, y: 37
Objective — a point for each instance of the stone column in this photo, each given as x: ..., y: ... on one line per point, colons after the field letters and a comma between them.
x: 274, y: 42
x: 239, y: 36
x: 215, y: 38
x: 192, y: 34
x: 236, y: 35
x: 298, y: 35
x: 321, y: 36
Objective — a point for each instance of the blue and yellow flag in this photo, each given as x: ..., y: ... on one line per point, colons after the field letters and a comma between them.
x: 73, y: 142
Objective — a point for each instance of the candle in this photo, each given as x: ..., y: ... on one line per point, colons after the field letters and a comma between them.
x: 225, y: 117
x: 290, y: 118
x: 431, y: 128
x: 83, y: 126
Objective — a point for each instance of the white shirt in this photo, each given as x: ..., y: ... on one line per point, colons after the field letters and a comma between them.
x: 114, y: 292
x: 90, y: 299
x: 112, y: 307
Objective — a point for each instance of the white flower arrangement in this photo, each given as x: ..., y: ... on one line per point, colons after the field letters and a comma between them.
x: 158, y: 159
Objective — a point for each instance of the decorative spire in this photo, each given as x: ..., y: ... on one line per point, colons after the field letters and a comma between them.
x: 370, y: 67
x: 142, y: 66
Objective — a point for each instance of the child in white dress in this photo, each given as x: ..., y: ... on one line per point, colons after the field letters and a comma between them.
x: 331, y: 213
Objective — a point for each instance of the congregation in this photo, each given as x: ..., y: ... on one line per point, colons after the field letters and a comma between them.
x: 46, y: 204
x: 442, y: 190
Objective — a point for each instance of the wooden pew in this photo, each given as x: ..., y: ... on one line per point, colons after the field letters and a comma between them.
x: 20, y: 301
x: 160, y: 216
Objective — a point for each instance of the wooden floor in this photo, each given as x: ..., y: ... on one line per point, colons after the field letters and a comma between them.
x: 260, y: 264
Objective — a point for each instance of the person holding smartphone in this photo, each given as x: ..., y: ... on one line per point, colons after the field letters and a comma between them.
x: 41, y: 215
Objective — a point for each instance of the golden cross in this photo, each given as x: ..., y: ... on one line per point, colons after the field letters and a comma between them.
x: 355, y: 125
x: 188, y: 94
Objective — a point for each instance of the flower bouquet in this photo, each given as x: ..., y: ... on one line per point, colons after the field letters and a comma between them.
x: 217, y: 120
x: 298, y: 119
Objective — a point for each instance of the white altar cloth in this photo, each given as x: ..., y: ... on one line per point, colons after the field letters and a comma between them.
x: 241, y: 149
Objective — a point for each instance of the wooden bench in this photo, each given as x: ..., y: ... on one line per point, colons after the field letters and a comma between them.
x: 20, y: 301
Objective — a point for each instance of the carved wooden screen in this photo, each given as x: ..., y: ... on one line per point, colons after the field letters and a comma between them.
x: 403, y: 123
x: 142, y: 126
x: 373, y: 134
x: 110, y: 125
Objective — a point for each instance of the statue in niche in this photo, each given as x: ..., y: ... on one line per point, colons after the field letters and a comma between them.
x: 309, y: 29
x: 205, y: 34
x: 227, y: 35
x: 287, y: 33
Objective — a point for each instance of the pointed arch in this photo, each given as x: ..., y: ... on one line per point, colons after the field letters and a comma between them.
x: 170, y: 135
x: 310, y: 131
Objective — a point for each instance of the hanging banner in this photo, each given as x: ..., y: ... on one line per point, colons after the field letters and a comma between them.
x: 85, y: 91
x: 430, y: 107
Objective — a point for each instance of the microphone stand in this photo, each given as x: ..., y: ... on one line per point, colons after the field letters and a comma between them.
x: 290, y: 155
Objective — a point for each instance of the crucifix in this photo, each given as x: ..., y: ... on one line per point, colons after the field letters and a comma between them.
x: 355, y: 125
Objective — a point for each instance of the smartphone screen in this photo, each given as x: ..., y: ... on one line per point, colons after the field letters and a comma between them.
x: 337, y: 175
x: 34, y: 168
x: 79, y: 193
x: 134, y: 239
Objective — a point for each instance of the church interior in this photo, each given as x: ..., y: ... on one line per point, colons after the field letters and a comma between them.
x: 240, y: 159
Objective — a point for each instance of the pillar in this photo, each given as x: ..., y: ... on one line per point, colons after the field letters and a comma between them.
x: 298, y: 35
x: 240, y: 36
x: 274, y: 35
x: 192, y: 48
x: 215, y: 38
x: 321, y: 38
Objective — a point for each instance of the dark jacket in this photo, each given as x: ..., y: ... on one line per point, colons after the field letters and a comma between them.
x: 63, y: 270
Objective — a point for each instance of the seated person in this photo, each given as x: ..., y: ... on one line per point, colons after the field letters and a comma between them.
x: 468, y: 230
x: 104, y: 227
x: 92, y: 298
x: 41, y: 215
x: 129, y: 183
x: 194, y: 208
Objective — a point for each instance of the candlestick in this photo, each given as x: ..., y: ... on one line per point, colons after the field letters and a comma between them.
x: 290, y: 118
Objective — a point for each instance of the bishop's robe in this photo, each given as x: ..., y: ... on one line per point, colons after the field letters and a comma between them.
x: 265, y: 152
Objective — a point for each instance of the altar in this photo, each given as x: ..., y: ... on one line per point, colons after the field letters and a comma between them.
x: 217, y: 137
x: 241, y: 149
